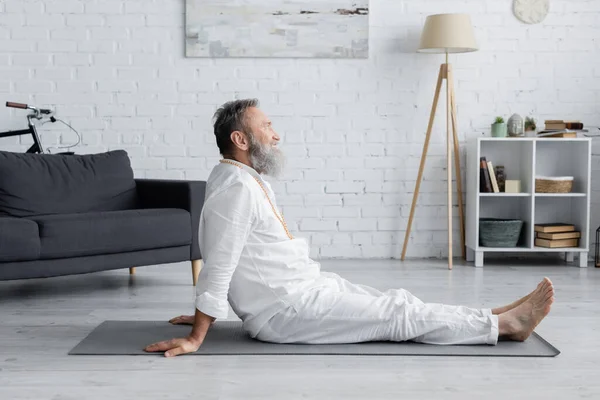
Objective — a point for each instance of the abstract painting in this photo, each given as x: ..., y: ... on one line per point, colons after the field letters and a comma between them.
x: 277, y: 28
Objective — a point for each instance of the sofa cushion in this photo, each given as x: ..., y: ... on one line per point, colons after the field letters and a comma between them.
x: 38, y: 184
x: 109, y: 232
x: 19, y: 240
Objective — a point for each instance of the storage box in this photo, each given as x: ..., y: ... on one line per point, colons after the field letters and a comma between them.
x: 496, y: 232
x: 512, y: 186
x: 557, y: 184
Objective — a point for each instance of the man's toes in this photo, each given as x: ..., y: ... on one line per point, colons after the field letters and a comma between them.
x: 541, y: 287
x: 548, y: 289
x: 546, y: 282
x: 548, y: 306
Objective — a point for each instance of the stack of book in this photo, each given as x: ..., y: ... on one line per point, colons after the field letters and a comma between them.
x: 561, y: 128
x: 488, y: 182
x: 556, y: 235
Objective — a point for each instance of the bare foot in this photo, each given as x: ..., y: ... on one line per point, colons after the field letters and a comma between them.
x: 500, y: 310
x: 183, y: 320
x: 518, y: 324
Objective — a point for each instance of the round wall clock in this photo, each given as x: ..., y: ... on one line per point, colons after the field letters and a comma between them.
x: 531, y: 11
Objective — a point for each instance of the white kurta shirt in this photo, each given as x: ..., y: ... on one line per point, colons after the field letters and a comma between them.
x: 249, y: 261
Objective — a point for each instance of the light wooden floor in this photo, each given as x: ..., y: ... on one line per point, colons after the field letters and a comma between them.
x: 41, y: 320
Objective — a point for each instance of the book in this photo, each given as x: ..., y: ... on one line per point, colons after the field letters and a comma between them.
x: 564, y: 135
x: 574, y: 125
x: 554, y: 227
x: 563, y: 124
x: 493, y: 177
x: 556, y: 243
x: 485, y: 184
x: 558, y: 235
x: 558, y: 133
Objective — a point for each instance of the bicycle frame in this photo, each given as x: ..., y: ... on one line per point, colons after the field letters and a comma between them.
x: 36, y: 147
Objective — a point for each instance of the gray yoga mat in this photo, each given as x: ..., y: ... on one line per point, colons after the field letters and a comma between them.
x: 228, y: 338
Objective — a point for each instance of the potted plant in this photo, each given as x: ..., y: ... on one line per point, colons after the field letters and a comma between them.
x: 530, y: 124
x: 499, y: 127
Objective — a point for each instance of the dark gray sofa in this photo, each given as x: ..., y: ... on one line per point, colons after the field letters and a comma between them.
x: 76, y: 214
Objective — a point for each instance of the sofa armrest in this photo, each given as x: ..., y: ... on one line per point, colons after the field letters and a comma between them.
x: 19, y: 239
x: 187, y: 195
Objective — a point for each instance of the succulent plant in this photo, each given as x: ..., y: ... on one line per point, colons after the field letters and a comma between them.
x: 530, y: 124
x: 499, y: 120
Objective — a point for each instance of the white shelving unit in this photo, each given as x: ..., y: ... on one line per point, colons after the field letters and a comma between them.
x: 524, y: 158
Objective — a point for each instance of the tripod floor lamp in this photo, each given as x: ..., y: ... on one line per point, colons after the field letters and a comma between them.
x: 445, y: 34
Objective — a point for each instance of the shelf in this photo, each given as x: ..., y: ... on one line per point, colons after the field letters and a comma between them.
x: 514, y: 156
x: 531, y: 139
x: 559, y: 194
x: 503, y: 194
x: 525, y: 249
x: 524, y: 159
x: 556, y: 158
x: 558, y: 249
x: 504, y: 249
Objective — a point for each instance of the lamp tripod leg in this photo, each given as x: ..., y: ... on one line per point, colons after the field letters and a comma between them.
x: 450, y: 81
x: 449, y: 166
x: 423, y: 157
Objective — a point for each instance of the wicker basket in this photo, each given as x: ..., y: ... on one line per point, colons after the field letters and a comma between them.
x: 494, y: 232
x: 561, y: 184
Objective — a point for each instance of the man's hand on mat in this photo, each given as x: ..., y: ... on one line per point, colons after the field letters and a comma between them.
x: 175, y: 347
x: 184, y: 320
x: 191, y: 343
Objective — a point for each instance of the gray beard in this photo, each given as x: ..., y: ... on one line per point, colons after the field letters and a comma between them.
x: 266, y: 159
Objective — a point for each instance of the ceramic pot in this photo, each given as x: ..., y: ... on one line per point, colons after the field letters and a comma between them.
x: 499, y: 130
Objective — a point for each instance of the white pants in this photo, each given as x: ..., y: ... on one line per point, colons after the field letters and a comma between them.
x: 338, y: 311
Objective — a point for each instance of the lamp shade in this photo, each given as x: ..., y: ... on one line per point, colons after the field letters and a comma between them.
x: 447, y: 33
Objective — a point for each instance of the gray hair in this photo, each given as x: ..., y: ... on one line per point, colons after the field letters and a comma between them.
x: 230, y: 117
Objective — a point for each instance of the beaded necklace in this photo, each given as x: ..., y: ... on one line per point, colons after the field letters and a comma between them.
x: 280, y: 218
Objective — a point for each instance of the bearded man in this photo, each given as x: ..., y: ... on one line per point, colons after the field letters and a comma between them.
x: 254, y: 264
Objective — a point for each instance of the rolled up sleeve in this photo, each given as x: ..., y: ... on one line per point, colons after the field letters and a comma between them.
x: 226, y: 222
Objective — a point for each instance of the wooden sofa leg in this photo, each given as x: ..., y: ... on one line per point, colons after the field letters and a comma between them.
x: 196, y: 267
x: 132, y: 271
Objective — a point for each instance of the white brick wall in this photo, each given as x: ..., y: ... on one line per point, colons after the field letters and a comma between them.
x: 352, y: 129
